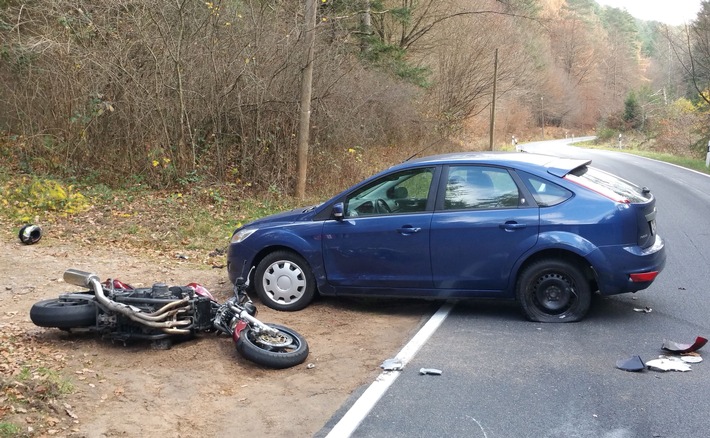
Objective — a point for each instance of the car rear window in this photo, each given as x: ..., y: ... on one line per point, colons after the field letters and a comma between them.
x: 606, y: 184
x: 545, y: 193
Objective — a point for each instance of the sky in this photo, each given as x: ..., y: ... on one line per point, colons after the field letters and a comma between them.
x: 666, y: 11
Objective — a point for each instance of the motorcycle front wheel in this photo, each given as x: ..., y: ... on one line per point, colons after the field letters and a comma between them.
x: 286, y: 349
x: 63, y: 314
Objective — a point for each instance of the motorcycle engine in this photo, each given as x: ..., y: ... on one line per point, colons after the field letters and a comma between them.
x: 161, y: 290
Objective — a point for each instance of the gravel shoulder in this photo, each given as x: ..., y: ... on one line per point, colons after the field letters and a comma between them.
x: 199, y: 385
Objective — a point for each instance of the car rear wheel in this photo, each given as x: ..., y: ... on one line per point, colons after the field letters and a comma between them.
x: 284, y: 281
x: 553, y: 290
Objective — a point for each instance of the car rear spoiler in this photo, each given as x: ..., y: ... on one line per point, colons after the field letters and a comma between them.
x: 562, y: 166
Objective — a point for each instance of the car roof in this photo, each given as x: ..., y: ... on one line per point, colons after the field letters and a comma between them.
x: 520, y: 160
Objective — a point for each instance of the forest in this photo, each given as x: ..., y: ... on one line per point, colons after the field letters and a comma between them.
x: 172, y: 92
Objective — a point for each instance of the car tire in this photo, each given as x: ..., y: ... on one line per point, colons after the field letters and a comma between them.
x: 553, y: 290
x: 284, y: 281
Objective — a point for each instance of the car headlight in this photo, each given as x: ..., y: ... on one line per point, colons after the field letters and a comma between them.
x: 241, y: 235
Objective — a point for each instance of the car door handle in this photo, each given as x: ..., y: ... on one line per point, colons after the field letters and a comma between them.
x: 407, y: 229
x: 512, y: 226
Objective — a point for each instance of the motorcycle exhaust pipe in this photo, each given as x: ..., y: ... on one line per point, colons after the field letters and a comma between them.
x: 159, y: 325
x: 87, y: 279
x: 159, y: 313
x: 164, y: 312
x: 176, y: 331
x: 135, y: 315
x: 79, y: 278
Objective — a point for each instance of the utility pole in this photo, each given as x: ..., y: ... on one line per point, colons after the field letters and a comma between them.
x: 306, y: 91
x: 542, y: 115
x: 493, y: 104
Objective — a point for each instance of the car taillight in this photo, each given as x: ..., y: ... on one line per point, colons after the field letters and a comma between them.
x: 642, y: 277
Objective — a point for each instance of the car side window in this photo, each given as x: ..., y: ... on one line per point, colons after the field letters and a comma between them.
x: 401, y: 192
x: 545, y: 193
x: 480, y: 187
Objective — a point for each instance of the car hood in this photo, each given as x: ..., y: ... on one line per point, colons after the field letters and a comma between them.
x: 297, y: 214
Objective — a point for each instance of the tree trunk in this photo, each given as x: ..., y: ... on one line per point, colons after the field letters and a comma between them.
x: 306, y: 91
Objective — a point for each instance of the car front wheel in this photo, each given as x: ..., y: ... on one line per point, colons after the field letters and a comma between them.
x: 284, y: 281
x: 553, y: 291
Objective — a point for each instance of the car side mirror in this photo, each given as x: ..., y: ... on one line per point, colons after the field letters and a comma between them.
x: 338, y: 209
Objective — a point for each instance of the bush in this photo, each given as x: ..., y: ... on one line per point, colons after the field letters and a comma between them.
x: 606, y: 134
x: 24, y: 198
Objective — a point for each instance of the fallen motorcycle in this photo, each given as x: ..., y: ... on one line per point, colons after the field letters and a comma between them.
x: 163, y: 313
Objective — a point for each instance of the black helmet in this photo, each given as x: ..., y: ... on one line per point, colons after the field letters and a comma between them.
x: 30, y: 234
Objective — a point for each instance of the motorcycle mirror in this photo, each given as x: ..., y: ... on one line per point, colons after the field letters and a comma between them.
x: 250, y: 308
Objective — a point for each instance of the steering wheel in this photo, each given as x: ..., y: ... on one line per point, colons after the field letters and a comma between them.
x: 382, y: 207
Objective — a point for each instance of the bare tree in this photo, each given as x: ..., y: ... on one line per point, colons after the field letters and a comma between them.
x: 306, y: 91
x: 692, y: 50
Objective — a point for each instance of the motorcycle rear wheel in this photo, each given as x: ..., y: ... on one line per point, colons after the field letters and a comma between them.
x: 270, y: 354
x: 63, y: 314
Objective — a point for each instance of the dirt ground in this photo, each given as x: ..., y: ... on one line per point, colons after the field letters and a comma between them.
x: 199, y: 387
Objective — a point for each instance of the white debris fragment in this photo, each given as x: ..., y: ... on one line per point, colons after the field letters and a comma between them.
x: 667, y: 364
x: 392, y: 365
x: 691, y: 359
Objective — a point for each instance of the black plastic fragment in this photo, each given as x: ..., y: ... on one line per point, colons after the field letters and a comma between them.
x: 634, y: 363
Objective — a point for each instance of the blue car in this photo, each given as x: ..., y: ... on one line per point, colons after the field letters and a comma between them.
x: 545, y: 231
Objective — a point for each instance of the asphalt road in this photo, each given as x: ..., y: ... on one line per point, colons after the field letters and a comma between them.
x: 506, y: 377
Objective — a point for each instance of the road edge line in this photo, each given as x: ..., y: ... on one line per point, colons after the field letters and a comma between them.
x: 359, y: 410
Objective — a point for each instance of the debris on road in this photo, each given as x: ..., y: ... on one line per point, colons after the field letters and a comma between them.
x: 691, y: 358
x: 643, y: 310
x: 634, y: 363
x: 392, y: 365
x: 430, y: 371
x: 676, y: 347
x: 684, y: 355
x: 665, y: 363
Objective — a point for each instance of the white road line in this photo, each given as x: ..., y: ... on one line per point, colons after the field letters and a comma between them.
x: 359, y: 410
